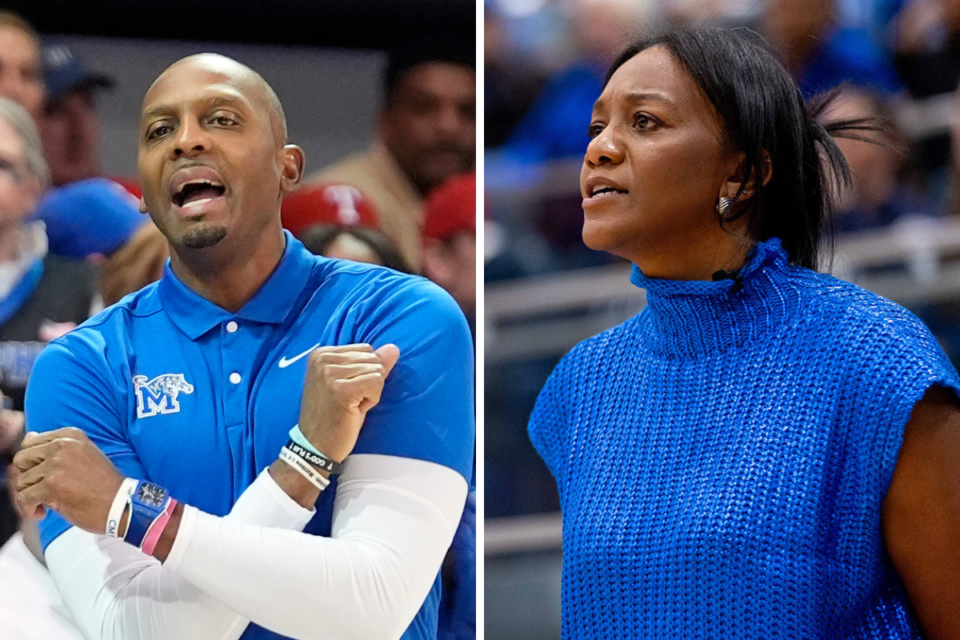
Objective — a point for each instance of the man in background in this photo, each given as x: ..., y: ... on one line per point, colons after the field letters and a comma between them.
x: 426, y: 132
x: 21, y: 77
x: 70, y: 125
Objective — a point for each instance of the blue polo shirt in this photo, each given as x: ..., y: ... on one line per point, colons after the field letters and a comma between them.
x: 179, y: 391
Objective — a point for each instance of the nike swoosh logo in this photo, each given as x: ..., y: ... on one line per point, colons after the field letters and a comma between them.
x: 284, y: 362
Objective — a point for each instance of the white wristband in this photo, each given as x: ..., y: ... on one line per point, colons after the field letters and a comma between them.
x: 120, y: 502
x: 304, y: 468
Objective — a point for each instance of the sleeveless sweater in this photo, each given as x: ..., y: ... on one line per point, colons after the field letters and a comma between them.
x: 722, y: 458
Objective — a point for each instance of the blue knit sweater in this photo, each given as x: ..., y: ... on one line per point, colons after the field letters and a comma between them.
x: 722, y: 458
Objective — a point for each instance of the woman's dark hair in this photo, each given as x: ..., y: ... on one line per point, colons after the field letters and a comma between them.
x: 318, y: 239
x: 764, y: 115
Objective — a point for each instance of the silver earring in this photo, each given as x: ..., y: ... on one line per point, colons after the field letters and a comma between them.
x: 723, y: 206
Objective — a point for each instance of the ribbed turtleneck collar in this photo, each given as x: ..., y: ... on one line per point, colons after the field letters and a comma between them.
x: 688, y: 318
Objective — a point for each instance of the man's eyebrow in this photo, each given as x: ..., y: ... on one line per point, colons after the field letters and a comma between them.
x: 161, y: 110
x: 209, y: 103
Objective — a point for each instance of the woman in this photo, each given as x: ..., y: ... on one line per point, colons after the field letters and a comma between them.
x: 764, y: 451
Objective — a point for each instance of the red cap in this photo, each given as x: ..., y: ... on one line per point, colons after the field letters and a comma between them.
x: 340, y: 204
x: 451, y: 207
x: 130, y: 184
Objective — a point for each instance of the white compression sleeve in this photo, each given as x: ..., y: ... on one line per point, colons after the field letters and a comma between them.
x: 394, y: 519
x: 115, y: 592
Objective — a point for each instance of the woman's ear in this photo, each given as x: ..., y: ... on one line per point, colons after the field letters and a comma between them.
x: 732, y: 187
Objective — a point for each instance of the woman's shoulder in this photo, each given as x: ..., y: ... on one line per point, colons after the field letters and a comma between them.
x: 842, y: 312
x: 615, y: 340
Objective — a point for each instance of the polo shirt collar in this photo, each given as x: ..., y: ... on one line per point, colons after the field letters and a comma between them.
x: 271, y: 304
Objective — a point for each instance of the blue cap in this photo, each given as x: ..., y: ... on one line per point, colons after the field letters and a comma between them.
x: 87, y: 217
x: 63, y: 72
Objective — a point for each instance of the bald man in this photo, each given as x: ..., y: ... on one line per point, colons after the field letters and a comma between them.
x: 193, y: 459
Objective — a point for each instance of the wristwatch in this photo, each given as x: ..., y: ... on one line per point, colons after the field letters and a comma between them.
x: 147, y: 503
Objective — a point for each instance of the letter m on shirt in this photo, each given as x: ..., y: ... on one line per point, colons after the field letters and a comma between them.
x: 160, y: 394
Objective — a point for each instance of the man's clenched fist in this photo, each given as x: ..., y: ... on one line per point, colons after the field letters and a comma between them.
x: 342, y: 385
x: 63, y: 470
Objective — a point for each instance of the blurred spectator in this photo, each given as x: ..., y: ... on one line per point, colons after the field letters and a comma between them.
x: 510, y: 84
x: 426, y: 132
x: 953, y: 206
x: 876, y: 17
x: 30, y: 605
x: 820, y: 52
x: 20, y: 69
x: 41, y: 296
x: 337, y: 221
x: 878, y: 196
x: 556, y: 125
x: 450, y: 240
x: 21, y: 80
x: 11, y: 433
x: 70, y: 126
x: 360, y: 244
x: 89, y: 217
x: 332, y: 203
x: 928, y: 59
x: 134, y: 265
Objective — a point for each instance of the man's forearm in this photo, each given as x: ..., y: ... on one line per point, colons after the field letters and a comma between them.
x: 394, y: 519
x: 290, y: 481
x: 115, y: 592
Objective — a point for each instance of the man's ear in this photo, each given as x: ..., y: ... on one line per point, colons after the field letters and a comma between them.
x: 732, y: 186
x: 294, y: 160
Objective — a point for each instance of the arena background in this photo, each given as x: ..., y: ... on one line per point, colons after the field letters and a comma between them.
x: 323, y: 59
x: 897, y: 233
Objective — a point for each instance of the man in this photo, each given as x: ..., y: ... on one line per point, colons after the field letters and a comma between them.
x: 21, y: 77
x: 70, y: 125
x: 194, y: 384
x: 41, y: 295
x: 426, y: 132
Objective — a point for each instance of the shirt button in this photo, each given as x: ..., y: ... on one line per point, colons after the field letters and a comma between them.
x: 232, y: 327
x: 235, y: 378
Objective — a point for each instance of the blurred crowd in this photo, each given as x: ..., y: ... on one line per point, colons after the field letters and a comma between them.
x: 73, y: 241
x: 897, y: 60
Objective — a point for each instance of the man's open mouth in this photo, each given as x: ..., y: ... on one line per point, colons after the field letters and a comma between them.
x: 195, y: 193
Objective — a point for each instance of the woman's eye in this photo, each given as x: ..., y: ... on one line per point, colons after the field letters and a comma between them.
x: 594, y: 130
x: 643, y: 121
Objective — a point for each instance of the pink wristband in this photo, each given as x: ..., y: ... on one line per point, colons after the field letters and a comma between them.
x: 156, y: 529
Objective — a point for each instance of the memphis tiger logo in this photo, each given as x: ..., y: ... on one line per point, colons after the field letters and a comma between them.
x: 160, y: 394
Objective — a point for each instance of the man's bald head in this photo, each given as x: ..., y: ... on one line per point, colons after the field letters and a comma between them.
x: 239, y: 75
x: 213, y: 159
